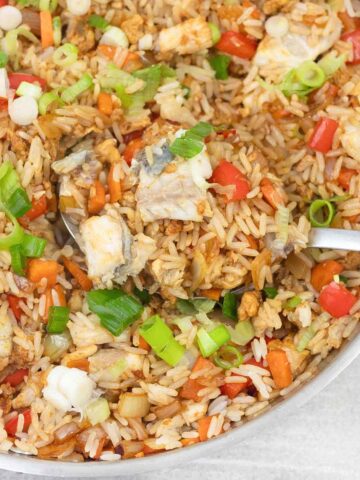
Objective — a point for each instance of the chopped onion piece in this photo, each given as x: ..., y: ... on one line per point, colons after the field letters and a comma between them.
x: 115, y: 37
x: 133, y: 405
x: 10, y: 18
x: 98, y: 411
x: 29, y: 89
x: 23, y: 110
x: 78, y: 7
x: 277, y: 26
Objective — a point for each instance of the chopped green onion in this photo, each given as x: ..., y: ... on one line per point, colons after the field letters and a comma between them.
x: 48, y: 99
x: 210, y: 342
x: 221, y: 357
x: 17, y: 260
x: 195, y: 305
x: 57, y: 35
x: 220, y: 63
x: 96, y: 21
x: 65, y: 55
x: 125, y: 98
x: 339, y: 198
x: 11, y: 44
x: 310, y: 74
x: 191, y: 143
x: 330, y: 63
x: 47, y: 5
x: 3, y: 59
x: 220, y: 335
x: 321, y: 213
x: 160, y: 337
x: 184, y: 323
x: 186, y: 90
x: 58, y: 319
x: 305, y: 338
x: 215, y: 32
x: 244, y: 332
x: 293, y: 302
x: 72, y: 92
x: 143, y: 295
x: 343, y: 279
x: 14, y: 237
x: 185, y: 306
x: 201, y: 130
x: 32, y: 246
x: 291, y: 85
x: 115, y: 308
x: 29, y: 89
x: 19, y: 203
x: 270, y: 292
x: 97, y: 411
x: 112, y: 77
x: 229, y: 305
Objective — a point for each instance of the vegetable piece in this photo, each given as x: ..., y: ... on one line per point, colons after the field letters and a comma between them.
x: 96, y: 201
x: 133, y: 405
x: 203, y: 428
x: 160, y: 337
x: 280, y: 368
x: 114, y: 183
x: 38, y: 208
x: 98, y: 411
x: 227, y: 174
x: 305, y: 338
x: 72, y: 92
x: 354, y: 38
x: 116, y: 309
x: 232, y: 390
x: 271, y: 194
x: 14, y: 379
x: 115, y: 37
x: 210, y: 342
x: 96, y: 21
x: 10, y: 17
x: 11, y: 425
x: 14, y: 305
x: 192, y: 387
x: 215, y: 32
x: 322, y: 137
x: 46, y: 26
x: 23, y: 110
x: 345, y: 177
x: 191, y: 143
x: 29, y: 89
x: 39, y: 269
x: 220, y: 64
x: 323, y: 273
x: 244, y: 331
x: 229, y: 305
x: 55, y: 345
x: 17, y: 260
x: 237, y: 44
x: 270, y: 292
x: 293, y: 302
x: 331, y: 63
x: 221, y: 358
x: 48, y: 99
x: 321, y: 213
x: 212, y: 294
x: 132, y: 148
x: 14, y: 237
x: 105, y: 104
x: 79, y: 275
x: 310, y: 74
x: 336, y: 299
x: 80, y: 363
x: 57, y: 35
x: 65, y: 55
x: 143, y: 295
x: 58, y: 319
x: 32, y: 246
x: 16, y: 78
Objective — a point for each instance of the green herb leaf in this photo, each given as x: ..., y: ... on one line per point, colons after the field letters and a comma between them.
x: 229, y: 306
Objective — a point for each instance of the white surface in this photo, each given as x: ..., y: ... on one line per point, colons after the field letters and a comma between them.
x: 319, y: 441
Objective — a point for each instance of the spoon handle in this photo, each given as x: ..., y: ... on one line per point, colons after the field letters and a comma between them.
x: 336, y: 238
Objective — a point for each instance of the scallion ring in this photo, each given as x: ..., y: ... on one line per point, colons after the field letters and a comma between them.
x: 47, y: 5
x: 228, y: 357
x: 65, y: 55
x: 57, y: 31
x: 311, y: 74
x: 72, y: 92
x: 48, y: 99
x: 321, y: 213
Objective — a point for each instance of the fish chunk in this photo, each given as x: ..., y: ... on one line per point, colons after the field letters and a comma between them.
x: 6, y: 333
x: 188, y: 37
x: 350, y: 139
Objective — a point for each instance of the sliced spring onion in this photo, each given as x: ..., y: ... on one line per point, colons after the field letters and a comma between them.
x: 270, y: 292
x: 305, y: 338
x: 72, y: 92
x: 98, y: 411
x: 321, y: 213
x: 210, y: 342
x: 48, y: 99
x: 125, y: 98
x: 3, y: 59
x: 160, y: 337
x: 57, y: 35
x: 65, y: 55
x: 343, y: 279
x: 228, y: 357
x: 19, y: 203
x: 58, y: 319
x: 115, y: 37
x: 47, y: 5
x: 291, y: 85
x: 56, y: 345
x: 244, y: 332
x: 32, y: 246
x: 10, y: 43
x: 220, y: 64
x: 331, y: 63
x: 143, y: 295
x: 96, y: 21
x: 215, y: 32
x: 17, y: 260
x: 15, y: 237
x: 339, y: 198
x: 115, y: 308
x: 293, y: 302
x: 29, y: 89
x: 229, y: 305
x: 112, y: 77
x: 184, y: 323
x: 195, y: 305
x: 310, y: 74
x: 191, y: 143
x: 185, y: 306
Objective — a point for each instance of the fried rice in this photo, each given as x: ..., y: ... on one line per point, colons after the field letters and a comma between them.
x: 188, y: 300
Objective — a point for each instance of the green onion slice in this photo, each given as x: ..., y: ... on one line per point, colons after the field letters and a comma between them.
x: 65, y: 55
x: 229, y: 306
x: 305, y: 338
x: 57, y: 35
x: 32, y: 246
x: 11, y: 39
x: 116, y: 309
x: 143, y: 295
x: 293, y: 302
x: 3, y: 59
x: 191, y: 143
x: 215, y: 32
x: 58, y: 319
x: 220, y: 64
x: 48, y: 99
x: 96, y: 21
x: 244, y: 332
x: 331, y: 63
x: 18, y: 203
x: 72, y: 92
x: 310, y: 74
x: 210, y: 342
x: 228, y: 357
x: 17, y: 260
x: 14, y: 237
x: 321, y: 213
x: 270, y: 292
x: 47, y: 5
x: 29, y: 89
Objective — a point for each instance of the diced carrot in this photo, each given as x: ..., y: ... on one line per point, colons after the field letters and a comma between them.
x: 96, y: 201
x: 232, y: 390
x: 107, y: 51
x: 280, y: 368
x: 192, y: 387
x: 114, y: 183
x: 79, y: 275
x: 104, y: 103
x: 212, y: 293
x: 46, y: 27
x: 203, y: 428
x: 143, y: 344
x: 132, y: 148
x: 14, y: 305
x: 14, y: 379
x: 270, y: 193
x: 345, y: 176
x: 147, y: 450
x: 281, y: 113
x: 39, y: 269
x: 61, y: 294
x: 80, y: 363
x: 185, y: 442
x: 132, y: 62
x: 38, y: 208
x: 323, y: 273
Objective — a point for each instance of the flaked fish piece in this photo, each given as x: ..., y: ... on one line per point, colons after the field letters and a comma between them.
x: 187, y: 37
